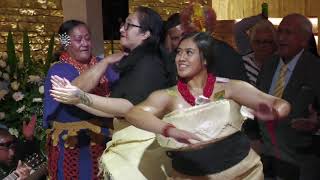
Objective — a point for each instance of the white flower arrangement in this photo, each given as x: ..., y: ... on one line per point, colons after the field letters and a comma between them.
x: 34, y: 79
x: 21, y: 86
x: 18, y: 96
x: 21, y: 93
x: 21, y: 109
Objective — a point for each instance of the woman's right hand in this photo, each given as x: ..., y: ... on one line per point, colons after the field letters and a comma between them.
x: 63, y: 91
x: 183, y: 136
x: 116, y: 57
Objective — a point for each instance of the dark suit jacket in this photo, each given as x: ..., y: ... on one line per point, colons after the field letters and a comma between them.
x: 227, y: 62
x: 302, y: 89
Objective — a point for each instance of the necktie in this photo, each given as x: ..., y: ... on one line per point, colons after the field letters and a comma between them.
x: 280, y: 84
x: 278, y: 91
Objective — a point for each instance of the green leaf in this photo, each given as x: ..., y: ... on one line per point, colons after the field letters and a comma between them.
x: 26, y: 51
x: 12, y: 58
x: 49, y: 54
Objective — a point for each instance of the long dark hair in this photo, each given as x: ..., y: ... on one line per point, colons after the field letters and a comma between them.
x: 150, y: 20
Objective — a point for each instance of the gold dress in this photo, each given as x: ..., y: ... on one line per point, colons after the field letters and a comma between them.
x: 136, y: 154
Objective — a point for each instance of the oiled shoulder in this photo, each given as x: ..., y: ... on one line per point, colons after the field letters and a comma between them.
x: 172, y: 91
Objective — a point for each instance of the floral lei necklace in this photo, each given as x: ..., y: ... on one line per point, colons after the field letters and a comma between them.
x: 102, y: 88
x: 207, y: 91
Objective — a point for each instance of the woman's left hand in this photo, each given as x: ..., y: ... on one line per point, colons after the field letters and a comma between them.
x: 63, y: 91
x: 266, y: 113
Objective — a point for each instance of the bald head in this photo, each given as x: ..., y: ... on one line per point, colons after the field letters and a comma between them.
x: 294, y: 33
x: 304, y: 26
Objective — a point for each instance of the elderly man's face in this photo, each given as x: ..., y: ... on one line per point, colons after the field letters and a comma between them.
x: 291, y: 39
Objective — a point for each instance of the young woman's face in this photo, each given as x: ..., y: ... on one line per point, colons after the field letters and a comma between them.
x: 130, y: 32
x: 80, y: 47
x: 188, y: 59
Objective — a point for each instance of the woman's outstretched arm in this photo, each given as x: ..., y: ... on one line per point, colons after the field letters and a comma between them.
x: 265, y: 106
x: 64, y: 92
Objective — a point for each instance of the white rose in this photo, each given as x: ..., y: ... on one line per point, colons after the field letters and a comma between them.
x: 4, y: 55
x: 14, y: 132
x: 34, y: 79
x: 37, y: 100
x: 17, y: 96
x: 41, y: 89
x: 15, y: 85
x: 6, y: 76
x: 21, y: 109
x: 3, y: 64
x: 2, y: 115
x: 3, y: 93
x: 20, y: 65
x: 7, y: 69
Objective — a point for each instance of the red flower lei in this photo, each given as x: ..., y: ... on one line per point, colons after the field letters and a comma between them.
x: 207, y: 90
x: 102, y: 88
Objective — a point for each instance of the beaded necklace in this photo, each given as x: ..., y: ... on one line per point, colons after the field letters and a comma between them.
x: 207, y: 91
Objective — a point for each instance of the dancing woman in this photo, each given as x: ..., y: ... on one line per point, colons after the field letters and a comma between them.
x: 201, y: 119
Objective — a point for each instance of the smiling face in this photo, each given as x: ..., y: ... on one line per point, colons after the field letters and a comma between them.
x: 188, y: 59
x: 263, y: 43
x: 131, y: 35
x: 80, y: 47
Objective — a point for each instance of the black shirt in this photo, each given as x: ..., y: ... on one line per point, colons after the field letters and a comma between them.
x: 141, y: 73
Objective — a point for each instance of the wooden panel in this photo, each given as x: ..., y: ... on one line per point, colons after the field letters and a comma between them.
x: 233, y: 9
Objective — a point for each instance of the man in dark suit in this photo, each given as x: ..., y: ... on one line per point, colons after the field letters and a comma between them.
x: 288, y: 142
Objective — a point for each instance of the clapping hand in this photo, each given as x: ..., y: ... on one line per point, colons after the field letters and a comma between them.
x: 63, y: 91
x: 116, y: 57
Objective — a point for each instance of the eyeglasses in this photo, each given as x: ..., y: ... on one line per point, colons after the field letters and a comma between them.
x: 127, y: 25
x: 8, y: 145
